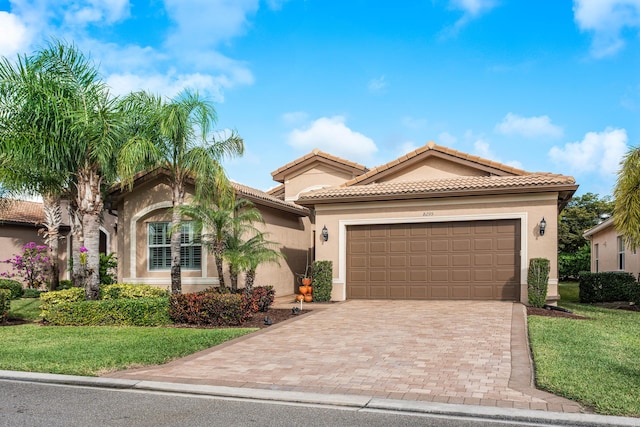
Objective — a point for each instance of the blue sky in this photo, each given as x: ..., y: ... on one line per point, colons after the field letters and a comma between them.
x: 543, y: 85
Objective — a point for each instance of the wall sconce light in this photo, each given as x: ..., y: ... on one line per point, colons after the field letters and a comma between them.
x: 325, y: 233
x: 543, y: 226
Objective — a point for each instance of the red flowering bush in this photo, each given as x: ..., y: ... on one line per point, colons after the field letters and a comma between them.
x: 208, y: 308
x: 34, y: 265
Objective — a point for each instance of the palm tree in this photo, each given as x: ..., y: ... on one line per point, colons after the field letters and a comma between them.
x: 216, y: 220
x: 257, y: 250
x: 62, y: 121
x: 626, y: 211
x: 177, y: 136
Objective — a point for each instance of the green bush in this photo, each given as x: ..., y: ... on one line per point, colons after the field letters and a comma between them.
x: 209, y: 307
x: 322, y: 280
x: 570, y: 265
x: 32, y: 293
x: 51, y: 299
x: 634, y: 293
x: 12, y: 286
x: 538, y: 281
x: 606, y: 286
x: 124, y: 291
x: 5, y: 303
x: 64, y: 284
x: 114, y: 312
x: 108, y: 269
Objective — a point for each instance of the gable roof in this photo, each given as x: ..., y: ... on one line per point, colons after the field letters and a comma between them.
x: 317, y: 156
x: 21, y: 212
x: 597, y: 228
x: 447, y: 187
x: 253, y: 194
x: 433, y: 150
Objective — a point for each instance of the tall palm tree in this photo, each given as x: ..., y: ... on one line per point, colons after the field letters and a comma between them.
x: 176, y: 135
x: 63, y: 121
x: 626, y: 211
x: 218, y: 219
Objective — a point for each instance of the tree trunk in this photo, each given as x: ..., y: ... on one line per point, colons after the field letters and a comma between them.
x: 233, y: 276
x: 176, y: 239
x: 218, y: 250
x: 52, y: 221
x: 77, y: 241
x: 90, y: 206
x: 249, y: 279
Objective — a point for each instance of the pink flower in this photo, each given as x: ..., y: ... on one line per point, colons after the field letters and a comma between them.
x: 83, y: 250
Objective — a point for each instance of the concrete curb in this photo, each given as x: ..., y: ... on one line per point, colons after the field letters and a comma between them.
x: 342, y: 400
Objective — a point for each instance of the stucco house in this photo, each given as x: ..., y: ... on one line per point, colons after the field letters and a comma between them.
x: 608, y: 251
x: 22, y: 221
x: 435, y: 223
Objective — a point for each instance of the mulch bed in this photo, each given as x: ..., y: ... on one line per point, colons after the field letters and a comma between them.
x: 534, y: 311
x: 276, y: 315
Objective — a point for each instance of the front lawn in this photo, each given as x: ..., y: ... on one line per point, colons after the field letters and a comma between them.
x: 25, y: 309
x: 97, y: 350
x: 595, y: 362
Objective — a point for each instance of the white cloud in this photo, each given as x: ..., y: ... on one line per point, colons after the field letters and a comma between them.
x: 482, y: 148
x: 294, y: 118
x: 471, y: 9
x: 445, y: 138
x: 14, y: 35
x: 599, y: 152
x: 169, y: 84
x: 330, y: 134
x: 528, y: 127
x: 100, y: 11
x: 377, y: 85
x: 607, y: 19
x: 406, y: 147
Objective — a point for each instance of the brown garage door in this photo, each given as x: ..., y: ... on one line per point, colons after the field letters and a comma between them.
x: 476, y: 260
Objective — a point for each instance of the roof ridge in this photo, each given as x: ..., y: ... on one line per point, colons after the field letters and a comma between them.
x: 319, y: 153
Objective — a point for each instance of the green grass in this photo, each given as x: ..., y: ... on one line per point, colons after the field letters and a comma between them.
x: 595, y: 362
x: 25, y: 308
x: 97, y: 350
x: 569, y: 292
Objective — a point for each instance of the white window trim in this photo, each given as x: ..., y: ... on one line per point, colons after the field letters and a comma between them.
x: 149, y: 246
x: 620, y: 251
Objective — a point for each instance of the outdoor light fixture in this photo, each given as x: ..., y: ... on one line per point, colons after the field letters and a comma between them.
x: 325, y: 233
x: 543, y: 226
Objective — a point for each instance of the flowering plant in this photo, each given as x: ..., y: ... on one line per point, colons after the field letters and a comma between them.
x: 34, y: 265
x: 83, y: 255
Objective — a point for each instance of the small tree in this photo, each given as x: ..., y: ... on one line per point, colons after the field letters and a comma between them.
x: 538, y: 281
x: 34, y: 265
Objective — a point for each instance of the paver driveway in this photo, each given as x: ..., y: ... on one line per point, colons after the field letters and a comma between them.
x: 454, y: 352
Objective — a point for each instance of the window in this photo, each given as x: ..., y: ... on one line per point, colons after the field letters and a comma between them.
x: 620, y: 253
x: 160, y: 247
x: 596, y: 251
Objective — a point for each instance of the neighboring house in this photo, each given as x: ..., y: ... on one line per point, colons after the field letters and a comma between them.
x: 435, y: 223
x: 21, y: 222
x: 608, y: 251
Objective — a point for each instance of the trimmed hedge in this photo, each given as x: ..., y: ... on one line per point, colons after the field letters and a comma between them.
x: 114, y: 312
x: 32, y: 293
x: 538, y: 281
x: 126, y: 291
x: 322, y: 280
x: 607, y: 286
x: 209, y: 308
x: 51, y: 299
x: 12, y: 286
x: 5, y: 303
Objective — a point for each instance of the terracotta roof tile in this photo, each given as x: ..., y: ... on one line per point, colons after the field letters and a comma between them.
x: 457, y: 184
x: 23, y: 212
x: 261, y: 195
x: 318, y: 153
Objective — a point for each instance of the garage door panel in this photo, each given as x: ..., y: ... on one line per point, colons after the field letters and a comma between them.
x: 456, y: 260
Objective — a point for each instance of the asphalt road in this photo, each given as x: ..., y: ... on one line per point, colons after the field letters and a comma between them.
x: 38, y: 404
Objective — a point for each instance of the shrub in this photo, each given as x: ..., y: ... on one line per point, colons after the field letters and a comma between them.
x: 634, y: 293
x: 606, y: 286
x: 64, y: 284
x: 32, y: 293
x: 13, y: 286
x: 108, y: 266
x: 322, y: 280
x: 5, y: 304
x: 208, y: 308
x: 51, y: 299
x: 124, y: 291
x: 259, y: 298
x: 538, y: 281
x: 114, y: 312
x: 34, y: 265
x: 570, y: 265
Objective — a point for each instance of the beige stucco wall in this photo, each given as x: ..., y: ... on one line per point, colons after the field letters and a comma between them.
x: 433, y: 168
x: 530, y: 209
x: 607, y: 241
x: 150, y: 203
x: 314, y: 177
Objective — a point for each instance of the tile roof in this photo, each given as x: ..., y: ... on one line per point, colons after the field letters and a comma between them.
x: 22, y: 212
x: 439, y: 149
x: 322, y: 155
x: 259, y: 195
x: 446, y: 186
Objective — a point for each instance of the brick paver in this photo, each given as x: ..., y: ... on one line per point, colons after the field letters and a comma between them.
x: 467, y: 352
